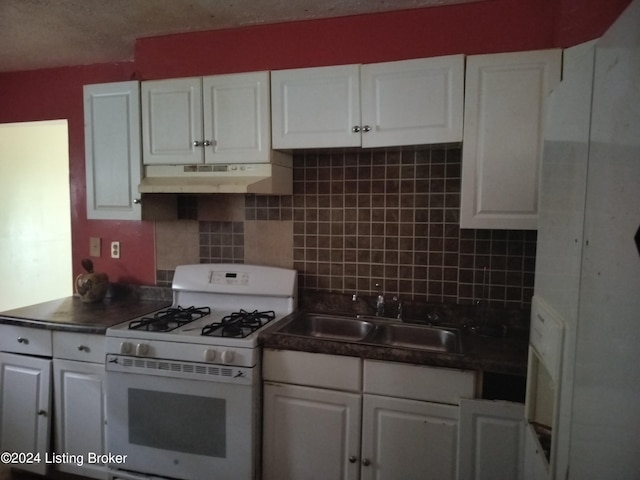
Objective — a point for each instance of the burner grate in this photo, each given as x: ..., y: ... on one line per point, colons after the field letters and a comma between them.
x: 169, y: 319
x: 239, y: 324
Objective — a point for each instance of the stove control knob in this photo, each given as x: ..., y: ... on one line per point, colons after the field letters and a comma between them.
x: 209, y: 355
x: 142, y: 349
x: 227, y: 356
x: 125, y: 348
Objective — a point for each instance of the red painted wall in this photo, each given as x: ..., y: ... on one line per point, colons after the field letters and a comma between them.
x: 483, y: 27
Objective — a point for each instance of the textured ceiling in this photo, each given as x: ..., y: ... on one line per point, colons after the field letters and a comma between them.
x: 49, y: 33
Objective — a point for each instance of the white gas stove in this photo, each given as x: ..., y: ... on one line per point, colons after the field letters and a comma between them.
x: 183, y: 383
x: 217, y: 312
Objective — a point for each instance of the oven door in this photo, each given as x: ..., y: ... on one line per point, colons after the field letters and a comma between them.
x: 169, y: 424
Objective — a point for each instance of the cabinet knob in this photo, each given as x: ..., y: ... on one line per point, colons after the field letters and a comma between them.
x: 42, y: 413
x: 366, y: 462
x: 137, y: 201
x: 23, y: 340
x: 83, y: 348
x: 196, y: 143
x: 366, y: 128
x: 206, y: 143
x: 352, y: 459
x: 356, y: 129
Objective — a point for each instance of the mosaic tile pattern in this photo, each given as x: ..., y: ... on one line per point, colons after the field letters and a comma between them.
x: 391, y: 218
x: 362, y: 218
x: 221, y: 242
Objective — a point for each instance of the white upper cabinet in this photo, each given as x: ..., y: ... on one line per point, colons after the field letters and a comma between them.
x: 112, y: 150
x: 407, y: 102
x: 217, y: 119
x: 316, y: 107
x: 412, y: 102
x: 505, y: 96
x: 237, y: 118
x: 172, y: 121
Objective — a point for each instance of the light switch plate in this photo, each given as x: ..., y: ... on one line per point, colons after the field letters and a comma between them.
x: 95, y: 246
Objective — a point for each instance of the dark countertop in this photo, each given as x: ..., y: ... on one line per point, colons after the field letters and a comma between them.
x: 71, y: 314
x: 504, y: 355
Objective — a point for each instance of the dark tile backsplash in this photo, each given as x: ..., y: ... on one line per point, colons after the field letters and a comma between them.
x: 391, y: 218
x: 363, y: 217
x: 221, y: 242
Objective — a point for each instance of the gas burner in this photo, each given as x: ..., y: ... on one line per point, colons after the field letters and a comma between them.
x: 169, y: 319
x: 238, y: 324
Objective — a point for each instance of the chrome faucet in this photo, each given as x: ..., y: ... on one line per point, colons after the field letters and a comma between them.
x: 379, y: 302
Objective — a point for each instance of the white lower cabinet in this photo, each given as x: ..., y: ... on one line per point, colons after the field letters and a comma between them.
x: 25, y: 410
x: 408, y: 439
x: 536, y: 465
x: 79, y: 399
x: 310, y: 433
x: 492, y: 440
x: 362, y: 420
x: 79, y: 415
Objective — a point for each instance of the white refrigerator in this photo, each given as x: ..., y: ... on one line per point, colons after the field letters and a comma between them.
x: 588, y: 261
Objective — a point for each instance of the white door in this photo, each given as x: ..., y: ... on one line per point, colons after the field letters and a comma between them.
x: 316, y: 107
x: 79, y: 414
x: 237, y: 118
x: 172, y: 131
x: 25, y: 408
x: 112, y: 150
x: 505, y: 96
x: 408, y: 439
x: 412, y: 102
x: 310, y: 433
x: 491, y: 440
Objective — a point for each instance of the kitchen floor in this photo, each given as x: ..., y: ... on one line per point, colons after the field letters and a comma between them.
x: 7, y: 474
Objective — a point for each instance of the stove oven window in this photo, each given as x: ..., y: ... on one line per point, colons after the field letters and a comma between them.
x: 177, y: 422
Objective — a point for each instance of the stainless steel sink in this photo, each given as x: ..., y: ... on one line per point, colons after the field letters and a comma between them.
x: 374, y: 331
x: 329, y: 327
x: 420, y: 337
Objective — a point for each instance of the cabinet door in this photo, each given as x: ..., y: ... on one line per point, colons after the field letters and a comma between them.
x: 412, y: 102
x: 80, y: 414
x: 172, y: 121
x: 310, y: 433
x: 536, y: 466
x: 112, y: 150
x: 408, y: 439
x: 237, y: 118
x: 491, y: 440
x: 504, y: 109
x: 316, y: 107
x: 25, y: 407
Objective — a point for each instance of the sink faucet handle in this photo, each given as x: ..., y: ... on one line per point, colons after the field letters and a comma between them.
x: 398, y: 300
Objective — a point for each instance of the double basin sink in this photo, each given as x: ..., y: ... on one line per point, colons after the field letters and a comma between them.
x: 374, y: 331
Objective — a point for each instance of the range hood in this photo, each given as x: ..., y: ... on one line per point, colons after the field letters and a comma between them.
x: 258, y: 178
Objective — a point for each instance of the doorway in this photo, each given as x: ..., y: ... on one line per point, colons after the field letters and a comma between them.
x: 35, y: 213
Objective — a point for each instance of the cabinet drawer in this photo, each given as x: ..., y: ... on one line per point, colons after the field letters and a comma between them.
x: 85, y: 347
x: 30, y: 341
x: 417, y: 382
x: 313, y: 369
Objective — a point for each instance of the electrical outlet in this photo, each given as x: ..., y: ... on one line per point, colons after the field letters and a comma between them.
x: 115, y: 249
x: 95, y: 246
